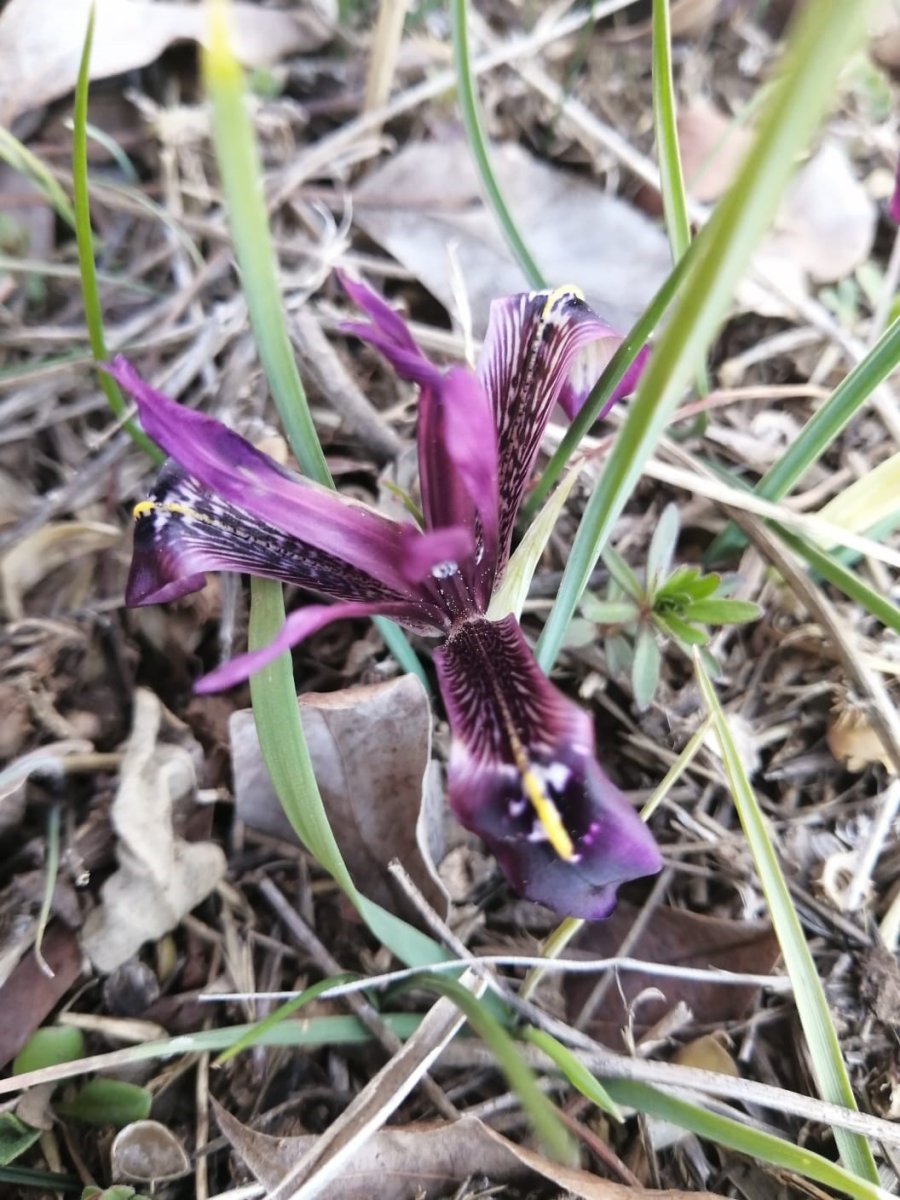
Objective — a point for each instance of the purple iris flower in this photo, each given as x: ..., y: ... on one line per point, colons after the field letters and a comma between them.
x: 522, y: 772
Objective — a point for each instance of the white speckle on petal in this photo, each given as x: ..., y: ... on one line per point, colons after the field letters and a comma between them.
x: 444, y: 570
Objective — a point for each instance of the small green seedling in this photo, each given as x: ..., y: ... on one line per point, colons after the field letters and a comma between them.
x: 677, y: 604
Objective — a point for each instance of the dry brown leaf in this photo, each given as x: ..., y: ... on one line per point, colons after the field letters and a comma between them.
x: 29, y: 995
x: 161, y: 877
x: 53, y: 545
x: 41, y: 40
x: 712, y: 148
x: 371, y: 753
x: 416, y: 1162
x: 426, y: 199
x: 680, y: 938
x: 853, y: 740
x: 706, y: 1054
x: 823, y: 231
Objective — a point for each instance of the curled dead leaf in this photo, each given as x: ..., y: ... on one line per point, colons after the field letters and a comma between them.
x: 371, y: 754
x: 707, y: 1053
x: 420, y: 1162
x: 854, y: 741
x: 53, y: 545
x: 160, y: 877
x: 427, y: 196
x: 41, y: 40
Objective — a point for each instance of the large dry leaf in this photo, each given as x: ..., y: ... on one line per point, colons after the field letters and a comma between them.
x: 41, y: 40
x: 426, y: 201
x: 679, y: 938
x: 416, y: 1162
x: 825, y: 225
x: 371, y: 753
x: 161, y: 877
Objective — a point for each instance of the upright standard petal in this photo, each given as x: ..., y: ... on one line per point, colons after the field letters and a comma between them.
x: 524, y: 778
x: 456, y: 435
x: 231, y: 472
x: 534, y: 343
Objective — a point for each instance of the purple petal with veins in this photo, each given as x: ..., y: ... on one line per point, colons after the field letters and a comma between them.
x: 523, y: 776
x: 532, y: 342
x: 230, y: 469
x: 184, y: 530
x: 299, y: 625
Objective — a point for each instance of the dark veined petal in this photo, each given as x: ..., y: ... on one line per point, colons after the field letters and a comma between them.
x: 533, y: 357
x: 184, y: 530
x: 331, y: 528
x: 457, y: 440
x: 523, y: 776
x: 297, y: 626
x: 587, y: 367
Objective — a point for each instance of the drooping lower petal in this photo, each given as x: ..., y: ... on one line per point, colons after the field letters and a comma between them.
x: 524, y: 778
x: 230, y: 471
x: 184, y: 530
x: 298, y: 625
x: 537, y: 352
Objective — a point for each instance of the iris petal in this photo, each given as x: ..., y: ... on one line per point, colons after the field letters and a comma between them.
x: 457, y: 440
x: 184, y: 530
x: 523, y: 776
x: 299, y: 625
x: 230, y: 469
x: 535, y: 355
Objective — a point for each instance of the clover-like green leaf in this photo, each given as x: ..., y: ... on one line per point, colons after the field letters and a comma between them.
x: 720, y: 611
x: 609, y: 612
x: 662, y: 547
x: 646, y: 666
x: 673, y: 626
x: 623, y: 574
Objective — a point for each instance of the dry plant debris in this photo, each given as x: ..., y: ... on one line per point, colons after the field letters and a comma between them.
x: 177, y: 875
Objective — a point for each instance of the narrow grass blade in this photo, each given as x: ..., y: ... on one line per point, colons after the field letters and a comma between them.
x: 820, y: 431
x: 281, y: 1013
x: 543, y: 1115
x: 760, y: 1147
x: 241, y: 174
x: 812, y: 1006
x: 882, y: 608
x: 51, y: 872
x: 93, y: 313
x: 575, y: 1071
x: 468, y: 104
x: 671, y: 175
x: 311, y: 1031
x: 20, y: 158
x: 831, y: 567
x: 870, y: 501
x: 46, y: 1181
x: 512, y: 593
x: 286, y: 756
x: 823, y: 35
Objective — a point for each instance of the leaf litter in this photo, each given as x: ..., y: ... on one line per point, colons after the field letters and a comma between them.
x: 77, y: 671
